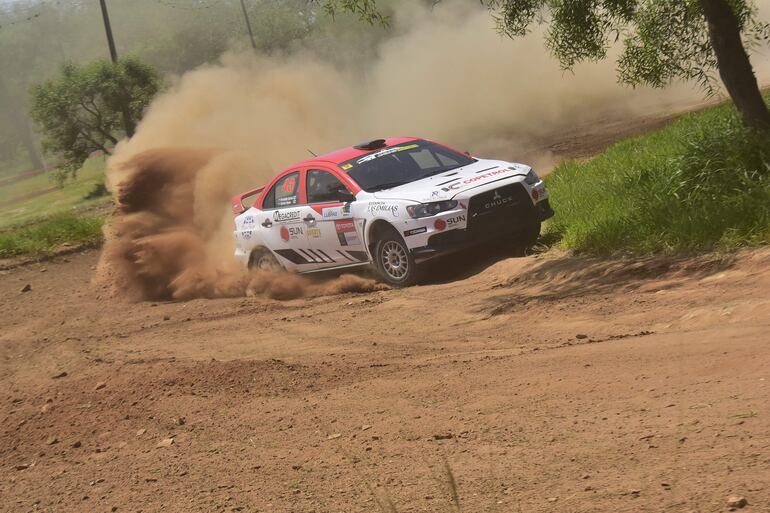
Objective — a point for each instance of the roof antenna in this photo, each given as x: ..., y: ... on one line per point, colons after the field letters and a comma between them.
x: 311, y: 152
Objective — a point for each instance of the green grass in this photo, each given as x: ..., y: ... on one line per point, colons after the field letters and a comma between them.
x: 700, y: 184
x: 60, y: 215
x: 56, y: 201
x: 45, y: 236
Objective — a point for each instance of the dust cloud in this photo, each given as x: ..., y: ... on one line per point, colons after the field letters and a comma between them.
x: 221, y: 129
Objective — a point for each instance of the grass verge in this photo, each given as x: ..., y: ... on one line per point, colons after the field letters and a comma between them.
x: 702, y: 183
x: 38, y: 198
x: 47, y: 235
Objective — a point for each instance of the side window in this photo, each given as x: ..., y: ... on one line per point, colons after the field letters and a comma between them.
x: 324, y: 187
x: 285, y: 192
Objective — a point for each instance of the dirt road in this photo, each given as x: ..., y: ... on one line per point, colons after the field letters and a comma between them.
x: 544, y: 383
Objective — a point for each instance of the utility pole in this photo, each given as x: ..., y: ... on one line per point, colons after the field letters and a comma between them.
x: 108, y: 30
x: 128, y: 124
x: 248, y: 25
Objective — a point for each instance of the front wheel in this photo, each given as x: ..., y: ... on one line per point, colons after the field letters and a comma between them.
x: 394, y: 261
x: 525, y: 239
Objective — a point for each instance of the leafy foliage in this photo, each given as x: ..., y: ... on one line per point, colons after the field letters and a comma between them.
x: 366, y: 10
x: 81, y: 111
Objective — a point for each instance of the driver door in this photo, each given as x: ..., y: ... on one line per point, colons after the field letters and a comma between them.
x: 281, y: 224
x: 334, y: 233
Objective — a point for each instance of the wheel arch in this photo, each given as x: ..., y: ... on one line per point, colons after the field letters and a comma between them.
x: 377, y: 229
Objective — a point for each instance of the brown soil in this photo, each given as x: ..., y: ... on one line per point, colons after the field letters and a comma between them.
x: 545, y: 383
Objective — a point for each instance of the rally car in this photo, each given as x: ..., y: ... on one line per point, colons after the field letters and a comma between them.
x: 388, y: 202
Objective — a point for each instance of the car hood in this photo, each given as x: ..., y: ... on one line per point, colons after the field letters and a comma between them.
x: 449, y: 184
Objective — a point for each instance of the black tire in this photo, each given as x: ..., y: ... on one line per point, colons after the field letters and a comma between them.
x: 264, y: 260
x: 393, y: 260
x: 525, y: 239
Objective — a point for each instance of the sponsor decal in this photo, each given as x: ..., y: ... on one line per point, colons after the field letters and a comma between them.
x: 331, y: 213
x: 497, y: 201
x: 314, y: 232
x: 248, y: 221
x: 452, y: 221
x: 416, y: 231
x: 285, y: 216
x: 291, y: 232
x: 246, y: 234
x: 346, y: 232
x: 473, y: 179
x: 377, y: 207
x: 386, y: 151
x: 286, y: 201
x: 346, y: 166
x: 346, y: 209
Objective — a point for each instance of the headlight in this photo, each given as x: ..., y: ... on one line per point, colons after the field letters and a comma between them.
x: 430, y: 209
x: 531, y: 178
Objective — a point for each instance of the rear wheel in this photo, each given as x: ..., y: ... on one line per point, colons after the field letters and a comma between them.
x: 262, y: 259
x: 394, y: 261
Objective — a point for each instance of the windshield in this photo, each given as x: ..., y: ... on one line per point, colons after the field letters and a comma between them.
x: 402, y: 164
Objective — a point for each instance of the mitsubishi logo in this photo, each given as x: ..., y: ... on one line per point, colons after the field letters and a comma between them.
x: 497, y: 200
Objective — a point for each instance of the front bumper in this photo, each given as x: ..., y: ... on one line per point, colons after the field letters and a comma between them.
x: 518, y: 218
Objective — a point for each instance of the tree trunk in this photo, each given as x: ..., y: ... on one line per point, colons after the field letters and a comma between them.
x: 129, y: 127
x: 28, y: 140
x: 734, y: 66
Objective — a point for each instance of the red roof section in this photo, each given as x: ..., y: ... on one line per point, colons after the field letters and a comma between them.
x: 345, y: 154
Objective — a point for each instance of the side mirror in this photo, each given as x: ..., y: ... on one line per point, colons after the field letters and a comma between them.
x: 344, y: 195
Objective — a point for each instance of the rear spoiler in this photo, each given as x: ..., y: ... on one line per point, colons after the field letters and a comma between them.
x: 237, y: 201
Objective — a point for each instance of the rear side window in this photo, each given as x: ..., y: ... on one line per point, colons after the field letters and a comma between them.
x: 284, y: 193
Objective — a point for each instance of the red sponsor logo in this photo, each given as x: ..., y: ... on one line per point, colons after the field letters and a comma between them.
x: 473, y: 179
x: 344, y: 226
x: 285, y: 234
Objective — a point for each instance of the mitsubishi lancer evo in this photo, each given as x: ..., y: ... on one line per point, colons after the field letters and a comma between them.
x: 392, y: 203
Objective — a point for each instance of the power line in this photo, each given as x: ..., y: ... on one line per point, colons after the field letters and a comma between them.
x: 248, y: 26
x: 108, y: 31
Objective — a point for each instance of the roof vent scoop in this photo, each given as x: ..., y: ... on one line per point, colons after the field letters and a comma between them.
x: 371, y: 145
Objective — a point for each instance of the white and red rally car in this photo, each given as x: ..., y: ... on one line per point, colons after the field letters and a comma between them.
x: 390, y: 202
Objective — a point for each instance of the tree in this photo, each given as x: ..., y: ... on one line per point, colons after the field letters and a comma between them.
x: 662, y: 40
x: 81, y: 110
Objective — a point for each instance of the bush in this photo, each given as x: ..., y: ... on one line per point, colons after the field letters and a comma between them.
x: 702, y: 183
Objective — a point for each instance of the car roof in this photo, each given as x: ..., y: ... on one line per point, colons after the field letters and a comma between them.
x: 343, y: 155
